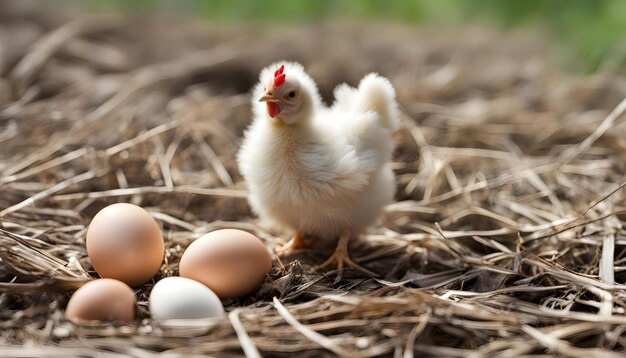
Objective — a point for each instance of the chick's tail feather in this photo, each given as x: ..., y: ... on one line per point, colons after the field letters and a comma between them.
x: 375, y: 93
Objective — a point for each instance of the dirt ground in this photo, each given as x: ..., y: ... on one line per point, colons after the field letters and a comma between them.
x: 506, y: 238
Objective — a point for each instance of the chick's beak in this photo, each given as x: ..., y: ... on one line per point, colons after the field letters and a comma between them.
x: 267, y: 96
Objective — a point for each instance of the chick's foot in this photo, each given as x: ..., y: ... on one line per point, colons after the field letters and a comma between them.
x: 297, y: 242
x: 341, y: 257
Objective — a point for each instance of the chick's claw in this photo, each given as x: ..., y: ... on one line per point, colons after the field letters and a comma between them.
x: 341, y: 257
x: 298, y: 242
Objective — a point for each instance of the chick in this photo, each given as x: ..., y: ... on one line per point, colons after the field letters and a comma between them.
x: 322, y: 172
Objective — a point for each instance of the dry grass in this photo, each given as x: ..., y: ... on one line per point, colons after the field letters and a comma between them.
x: 506, y: 238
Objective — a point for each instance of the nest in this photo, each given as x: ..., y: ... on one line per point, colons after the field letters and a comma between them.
x: 506, y: 237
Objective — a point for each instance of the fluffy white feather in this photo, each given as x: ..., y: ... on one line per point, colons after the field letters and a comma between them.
x: 328, y: 169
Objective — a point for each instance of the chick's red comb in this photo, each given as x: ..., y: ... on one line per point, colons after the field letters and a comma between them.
x: 279, y: 76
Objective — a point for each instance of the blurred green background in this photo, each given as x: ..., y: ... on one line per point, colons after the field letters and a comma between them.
x: 587, y: 35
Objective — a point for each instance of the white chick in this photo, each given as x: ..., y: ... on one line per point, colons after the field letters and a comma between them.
x: 320, y: 171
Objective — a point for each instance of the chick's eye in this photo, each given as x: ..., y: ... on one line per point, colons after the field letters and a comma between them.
x: 292, y: 94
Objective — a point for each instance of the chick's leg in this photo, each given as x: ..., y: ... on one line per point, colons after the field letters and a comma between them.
x: 297, y: 242
x: 341, y: 257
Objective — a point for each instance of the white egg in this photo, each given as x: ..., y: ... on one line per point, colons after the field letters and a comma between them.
x: 183, y: 298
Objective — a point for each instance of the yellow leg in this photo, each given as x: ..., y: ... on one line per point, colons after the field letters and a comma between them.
x: 341, y: 257
x: 297, y: 242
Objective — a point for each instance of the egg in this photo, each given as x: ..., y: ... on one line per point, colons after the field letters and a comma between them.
x: 183, y: 298
x: 125, y: 243
x: 230, y: 262
x: 102, y: 300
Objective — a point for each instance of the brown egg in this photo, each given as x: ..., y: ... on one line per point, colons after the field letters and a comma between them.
x: 124, y: 242
x: 230, y: 262
x: 102, y: 300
